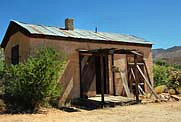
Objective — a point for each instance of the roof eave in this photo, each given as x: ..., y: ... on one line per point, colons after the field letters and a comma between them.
x: 89, y: 40
x: 12, y: 29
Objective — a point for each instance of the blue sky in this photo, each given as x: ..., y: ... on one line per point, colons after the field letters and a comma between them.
x: 158, y: 21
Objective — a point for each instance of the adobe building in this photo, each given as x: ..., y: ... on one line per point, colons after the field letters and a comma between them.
x: 98, y: 62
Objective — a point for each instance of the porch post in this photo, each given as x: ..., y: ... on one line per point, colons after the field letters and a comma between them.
x: 102, y: 79
x: 136, y: 77
x: 113, y: 75
x: 146, y: 68
x: 81, y: 91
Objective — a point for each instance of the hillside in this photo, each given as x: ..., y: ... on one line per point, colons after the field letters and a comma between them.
x: 171, y: 55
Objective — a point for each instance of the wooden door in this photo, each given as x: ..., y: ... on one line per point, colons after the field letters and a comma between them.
x: 98, y: 75
x: 88, y: 76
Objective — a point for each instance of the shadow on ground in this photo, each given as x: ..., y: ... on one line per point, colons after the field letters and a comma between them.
x: 77, y: 105
x: 69, y: 109
x: 88, y: 104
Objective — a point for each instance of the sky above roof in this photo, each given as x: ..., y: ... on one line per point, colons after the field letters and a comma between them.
x: 157, y: 21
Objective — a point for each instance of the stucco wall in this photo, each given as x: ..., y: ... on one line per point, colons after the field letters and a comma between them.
x: 71, y: 76
x: 71, y: 79
x: 24, y: 47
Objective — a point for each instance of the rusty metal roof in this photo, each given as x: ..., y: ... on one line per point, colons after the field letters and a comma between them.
x: 81, y: 34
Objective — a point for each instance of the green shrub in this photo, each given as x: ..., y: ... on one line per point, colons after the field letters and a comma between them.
x: 169, y: 75
x: 161, y: 62
x: 34, y: 83
x: 160, y: 75
x: 1, y: 70
x: 174, y: 77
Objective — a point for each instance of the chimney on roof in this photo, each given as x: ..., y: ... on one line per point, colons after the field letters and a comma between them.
x: 69, y: 24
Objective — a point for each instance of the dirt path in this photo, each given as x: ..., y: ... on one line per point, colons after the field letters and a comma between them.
x: 164, y: 112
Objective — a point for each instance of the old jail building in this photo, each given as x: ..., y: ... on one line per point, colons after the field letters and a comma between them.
x: 98, y: 62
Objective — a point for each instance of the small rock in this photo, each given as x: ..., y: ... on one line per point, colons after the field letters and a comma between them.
x: 178, y: 90
x: 172, y: 91
x: 161, y: 89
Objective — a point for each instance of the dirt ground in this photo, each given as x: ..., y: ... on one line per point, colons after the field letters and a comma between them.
x: 158, y: 112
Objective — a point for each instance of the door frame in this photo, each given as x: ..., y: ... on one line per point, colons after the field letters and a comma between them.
x: 106, y: 73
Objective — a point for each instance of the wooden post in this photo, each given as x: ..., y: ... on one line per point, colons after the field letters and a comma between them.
x: 113, y: 76
x: 80, y: 67
x: 107, y: 74
x: 130, y: 82
x: 136, y: 78
x: 102, y: 79
x: 147, y: 72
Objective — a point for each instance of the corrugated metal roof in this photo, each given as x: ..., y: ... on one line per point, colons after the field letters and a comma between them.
x: 83, y: 34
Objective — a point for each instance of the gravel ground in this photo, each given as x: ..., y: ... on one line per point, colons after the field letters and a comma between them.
x: 158, y: 112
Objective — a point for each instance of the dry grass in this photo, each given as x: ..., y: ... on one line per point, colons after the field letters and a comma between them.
x: 160, y: 112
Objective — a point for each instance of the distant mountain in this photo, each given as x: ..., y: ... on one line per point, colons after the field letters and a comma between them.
x: 171, y: 55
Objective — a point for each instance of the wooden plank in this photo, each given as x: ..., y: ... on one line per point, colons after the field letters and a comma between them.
x: 86, y: 54
x: 136, y: 53
x: 147, y: 72
x: 83, y: 61
x: 137, y: 63
x: 88, y: 76
x: 125, y: 83
x: 133, y: 73
x: 130, y: 81
x: 80, y: 68
x: 177, y: 98
x: 113, y: 75
x: 141, y: 90
x: 107, y: 74
x: 136, y: 78
x: 147, y: 82
x: 102, y: 80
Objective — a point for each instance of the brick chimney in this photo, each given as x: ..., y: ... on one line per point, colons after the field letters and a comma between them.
x: 69, y: 24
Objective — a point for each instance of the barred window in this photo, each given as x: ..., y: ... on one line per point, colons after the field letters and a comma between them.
x: 15, y: 54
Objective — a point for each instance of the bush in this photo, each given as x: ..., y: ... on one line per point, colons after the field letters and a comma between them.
x: 161, y: 62
x: 174, y: 77
x: 34, y: 83
x: 169, y: 75
x: 160, y: 75
x: 1, y: 70
x: 1, y: 76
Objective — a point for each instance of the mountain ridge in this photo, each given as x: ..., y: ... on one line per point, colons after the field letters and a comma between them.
x: 171, y: 55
